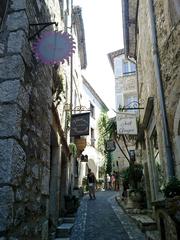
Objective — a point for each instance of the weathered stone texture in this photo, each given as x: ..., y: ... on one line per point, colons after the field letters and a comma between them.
x: 18, y: 4
x: 2, y: 47
x: 10, y: 121
x: 45, y: 231
x: 45, y: 181
x: 25, y: 115
x: 6, y: 207
x: 9, y: 90
x: 18, y: 43
x: 12, y: 161
x: 17, y: 20
x: 169, y: 51
x: 11, y: 67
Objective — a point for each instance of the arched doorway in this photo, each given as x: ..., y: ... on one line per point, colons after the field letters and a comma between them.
x: 54, y: 184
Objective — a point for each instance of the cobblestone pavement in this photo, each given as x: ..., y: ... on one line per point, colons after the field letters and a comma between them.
x: 104, y: 219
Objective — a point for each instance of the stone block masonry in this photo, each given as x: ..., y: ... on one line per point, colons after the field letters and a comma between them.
x: 25, y: 118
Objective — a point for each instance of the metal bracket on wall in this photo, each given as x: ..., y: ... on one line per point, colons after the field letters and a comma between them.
x: 44, y: 25
x: 134, y: 105
x: 77, y: 108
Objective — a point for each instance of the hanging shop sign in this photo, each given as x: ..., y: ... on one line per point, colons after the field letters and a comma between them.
x: 80, y: 143
x: 80, y: 124
x: 110, y: 145
x: 126, y: 123
x: 54, y: 47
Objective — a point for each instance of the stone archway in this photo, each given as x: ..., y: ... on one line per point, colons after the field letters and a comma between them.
x: 54, y: 184
x: 177, y: 140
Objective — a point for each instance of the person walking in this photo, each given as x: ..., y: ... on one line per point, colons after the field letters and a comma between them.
x: 108, y: 180
x: 91, y: 179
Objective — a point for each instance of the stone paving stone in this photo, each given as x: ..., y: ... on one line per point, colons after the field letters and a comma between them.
x: 104, y: 219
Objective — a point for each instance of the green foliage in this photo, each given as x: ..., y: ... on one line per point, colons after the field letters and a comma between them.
x: 111, y: 128
x: 172, y: 188
x: 102, y: 123
x: 58, y: 88
x: 85, y: 184
x: 109, y: 162
x: 73, y: 149
x: 133, y: 174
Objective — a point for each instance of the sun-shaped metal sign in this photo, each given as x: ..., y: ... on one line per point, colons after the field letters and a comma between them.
x: 54, y: 47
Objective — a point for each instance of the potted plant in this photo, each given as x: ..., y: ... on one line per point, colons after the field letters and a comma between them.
x: 133, y: 176
x: 172, y: 188
x: 172, y: 194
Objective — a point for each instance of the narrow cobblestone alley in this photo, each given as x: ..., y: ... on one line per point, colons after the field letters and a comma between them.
x: 103, y: 219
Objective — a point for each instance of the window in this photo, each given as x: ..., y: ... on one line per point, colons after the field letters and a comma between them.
x: 117, y: 67
x: 132, y: 67
x: 131, y: 102
x: 125, y: 67
x: 92, y: 111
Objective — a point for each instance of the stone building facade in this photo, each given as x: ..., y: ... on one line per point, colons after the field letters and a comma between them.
x: 95, y: 105
x: 125, y: 96
x: 151, y: 32
x: 35, y: 162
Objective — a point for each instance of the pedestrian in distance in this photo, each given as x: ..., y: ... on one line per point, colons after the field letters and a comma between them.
x: 91, y: 179
x: 113, y: 181
x: 108, y: 180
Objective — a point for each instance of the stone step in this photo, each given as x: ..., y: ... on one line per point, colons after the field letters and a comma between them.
x: 68, y: 220
x: 70, y: 215
x: 145, y: 222
x: 153, y: 235
x: 60, y: 221
x: 64, y: 230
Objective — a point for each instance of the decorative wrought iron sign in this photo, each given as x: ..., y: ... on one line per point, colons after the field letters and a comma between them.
x: 79, y: 108
x: 80, y: 124
x: 134, y: 105
x: 54, y: 47
x: 110, y: 145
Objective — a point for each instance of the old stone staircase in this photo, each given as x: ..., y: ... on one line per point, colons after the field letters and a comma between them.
x: 144, y: 220
x: 64, y: 228
x: 147, y: 225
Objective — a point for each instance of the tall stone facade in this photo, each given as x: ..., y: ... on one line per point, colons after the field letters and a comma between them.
x: 154, y: 26
x: 27, y: 183
x: 168, y: 32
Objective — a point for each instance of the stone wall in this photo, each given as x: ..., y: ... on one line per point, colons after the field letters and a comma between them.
x: 147, y: 87
x: 168, y: 44
x: 25, y: 118
x: 168, y: 32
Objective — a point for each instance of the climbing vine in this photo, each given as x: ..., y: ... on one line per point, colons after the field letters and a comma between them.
x: 73, y: 149
x: 102, y: 123
x: 58, y: 87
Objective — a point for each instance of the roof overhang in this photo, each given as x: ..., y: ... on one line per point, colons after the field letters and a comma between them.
x: 79, y: 25
x: 129, y: 14
x: 113, y: 55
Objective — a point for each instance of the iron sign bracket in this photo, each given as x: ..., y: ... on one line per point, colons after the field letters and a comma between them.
x: 43, y: 26
x: 134, y: 105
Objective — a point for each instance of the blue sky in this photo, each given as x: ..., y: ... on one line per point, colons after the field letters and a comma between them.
x: 103, y: 34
